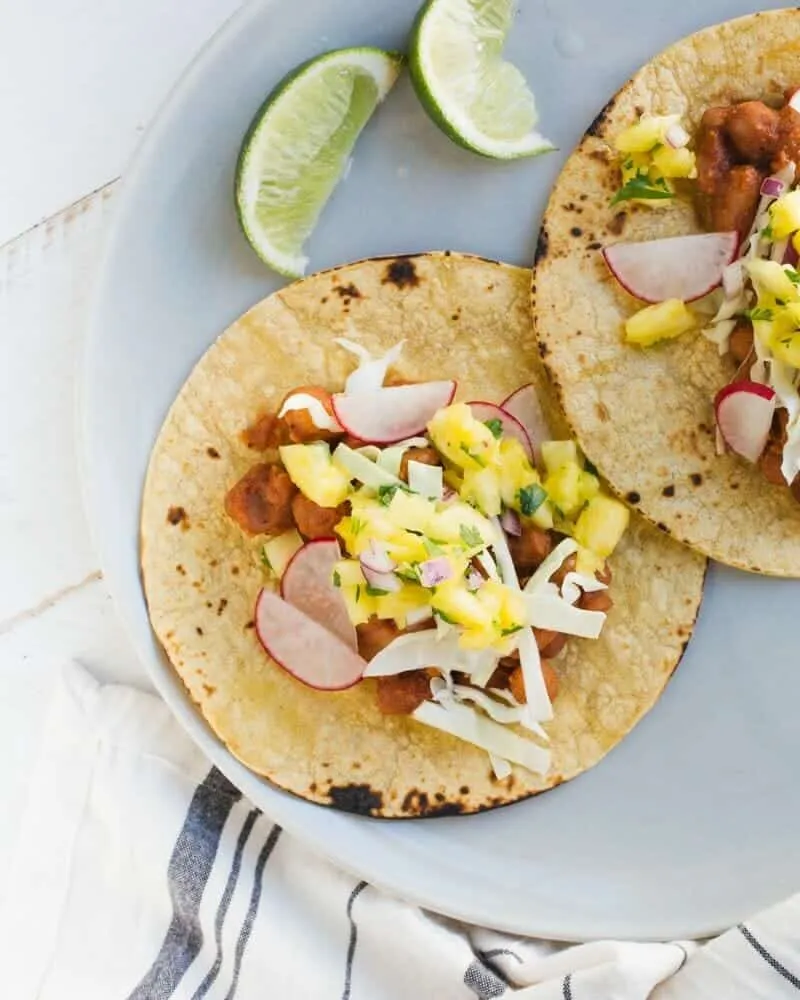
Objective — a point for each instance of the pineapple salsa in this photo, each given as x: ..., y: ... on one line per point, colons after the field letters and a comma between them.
x: 739, y: 281
x: 463, y: 557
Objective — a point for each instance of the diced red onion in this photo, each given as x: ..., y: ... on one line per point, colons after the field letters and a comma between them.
x: 676, y: 136
x: 794, y: 101
x: 772, y: 187
x: 733, y: 280
x: 435, y: 571
x: 448, y: 494
x: 474, y: 580
x: 381, y: 581
x: 511, y: 523
x: 376, y: 559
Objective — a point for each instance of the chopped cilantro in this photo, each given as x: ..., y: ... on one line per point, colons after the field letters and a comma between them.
x: 358, y: 592
x: 445, y: 618
x: 531, y: 499
x: 766, y: 233
x: 478, y: 459
x: 641, y: 186
x: 375, y: 591
x: 265, y: 560
x: 792, y: 275
x: 511, y: 631
x: 471, y: 537
x: 337, y: 580
x: 432, y: 548
x: 628, y: 164
x: 409, y: 574
x: 758, y: 313
x: 495, y: 425
x: 386, y: 493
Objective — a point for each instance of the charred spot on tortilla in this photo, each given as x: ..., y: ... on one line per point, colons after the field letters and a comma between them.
x: 601, y: 410
x: 176, y: 515
x: 348, y: 291
x: 415, y: 802
x: 576, y: 231
x: 617, y: 224
x: 360, y: 799
x: 464, y: 790
x: 209, y: 689
x: 599, y: 119
x: 401, y: 273
x: 223, y: 603
x: 542, y: 246
x: 198, y: 629
x: 662, y: 527
x: 668, y: 491
x: 445, y: 809
x: 544, y: 350
x: 633, y: 497
x: 212, y: 452
x: 594, y: 245
x: 235, y: 570
x: 696, y: 479
x: 179, y: 568
x: 250, y: 624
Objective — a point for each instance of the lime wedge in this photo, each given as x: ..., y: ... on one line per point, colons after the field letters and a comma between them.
x: 299, y: 146
x: 480, y: 101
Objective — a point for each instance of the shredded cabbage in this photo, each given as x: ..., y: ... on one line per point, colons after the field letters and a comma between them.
x: 319, y: 415
x: 414, y: 650
x: 428, y: 480
x: 555, y: 614
x: 360, y: 468
x: 562, y: 551
x: 391, y: 458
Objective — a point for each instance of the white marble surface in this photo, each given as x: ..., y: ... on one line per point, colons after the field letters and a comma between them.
x: 88, y: 75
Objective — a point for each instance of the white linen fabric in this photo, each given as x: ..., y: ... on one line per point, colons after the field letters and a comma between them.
x: 143, y: 874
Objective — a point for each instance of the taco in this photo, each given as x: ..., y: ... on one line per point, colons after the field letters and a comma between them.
x: 458, y: 616
x: 667, y: 295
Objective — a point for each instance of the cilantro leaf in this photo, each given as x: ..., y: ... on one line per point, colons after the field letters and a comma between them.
x: 758, y: 313
x: 386, y: 493
x: 265, y: 560
x: 337, y: 580
x: 531, y: 499
x: 445, y: 618
x: 479, y: 459
x: 375, y: 591
x: 792, y: 275
x: 471, y: 537
x: 358, y: 593
x: 641, y: 186
x: 511, y: 631
x: 495, y: 425
x: 432, y: 548
x: 766, y: 233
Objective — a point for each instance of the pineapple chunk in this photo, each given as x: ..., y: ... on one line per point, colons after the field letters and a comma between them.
x: 769, y: 277
x: 397, y: 605
x: 601, y: 525
x: 787, y: 349
x: 663, y: 321
x: 456, y: 604
x: 543, y: 518
x: 645, y: 134
x: 458, y: 523
x: 564, y: 488
x: 669, y: 162
x: 312, y: 471
x: 587, y: 563
x: 360, y: 605
x: 785, y: 215
x: 347, y: 573
x: 404, y: 547
x: 516, y: 472
x: 278, y: 551
x: 589, y: 486
x: 481, y: 487
x: 411, y: 511
x: 462, y: 439
x: 507, y: 606
x: 558, y: 453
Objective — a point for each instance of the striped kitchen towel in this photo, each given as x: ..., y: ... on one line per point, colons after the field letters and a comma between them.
x: 143, y: 874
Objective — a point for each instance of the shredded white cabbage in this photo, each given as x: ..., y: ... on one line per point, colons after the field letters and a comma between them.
x: 392, y: 458
x: 414, y: 650
x: 555, y: 614
x: 577, y: 583
x: 319, y: 415
x: 551, y: 564
x: 427, y: 480
x: 360, y: 468
x: 467, y: 724
x: 371, y: 371
x: 500, y: 767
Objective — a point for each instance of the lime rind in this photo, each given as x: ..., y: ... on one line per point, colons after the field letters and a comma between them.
x: 481, y: 101
x: 299, y: 146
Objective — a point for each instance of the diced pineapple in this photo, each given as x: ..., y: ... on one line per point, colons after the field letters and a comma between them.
x: 481, y: 487
x: 634, y: 165
x: 663, y: 321
x: 458, y: 605
x: 645, y: 134
x: 279, y: 551
x: 312, y: 471
x: 558, y: 453
x: 587, y: 563
x: 564, y: 488
x: 785, y: 215
x: 516, y: 472
x: 348, y: 573
x: 769, y: 277
x: 411, y: 511
x: 507, y: 606
x: 460, y: 524
x: 589, y: 486
x: 404, y: 547
x: 397, y: 605
x: 787, y: 349
x: 360, y: 605
x: 543, y: 518
x: 462, y: 439
x: 669, y: 162
x: 602, y: 524
x: 479, y: 638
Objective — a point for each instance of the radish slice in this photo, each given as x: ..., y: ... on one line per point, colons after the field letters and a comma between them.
x: 303, y: 648
x: 744, y: 416
x: 308, y: 586
x: 680, y: 267
x: 511, y: 426
x: 392, y: 413
x: 524, y: 405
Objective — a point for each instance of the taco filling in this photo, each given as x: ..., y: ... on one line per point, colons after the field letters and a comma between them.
x: 740, y: 283
x: 451, y: 566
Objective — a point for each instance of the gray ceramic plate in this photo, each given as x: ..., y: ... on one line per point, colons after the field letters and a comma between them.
x: 692, y: 823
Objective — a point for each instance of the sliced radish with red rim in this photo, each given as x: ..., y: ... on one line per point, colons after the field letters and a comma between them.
x: 744, y: 413
x: 523, y: 404
x: 304, y: 649
x: 679, y: 267
x: 307, y: 584
x: 510, y: 426
x: 393, y: 413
